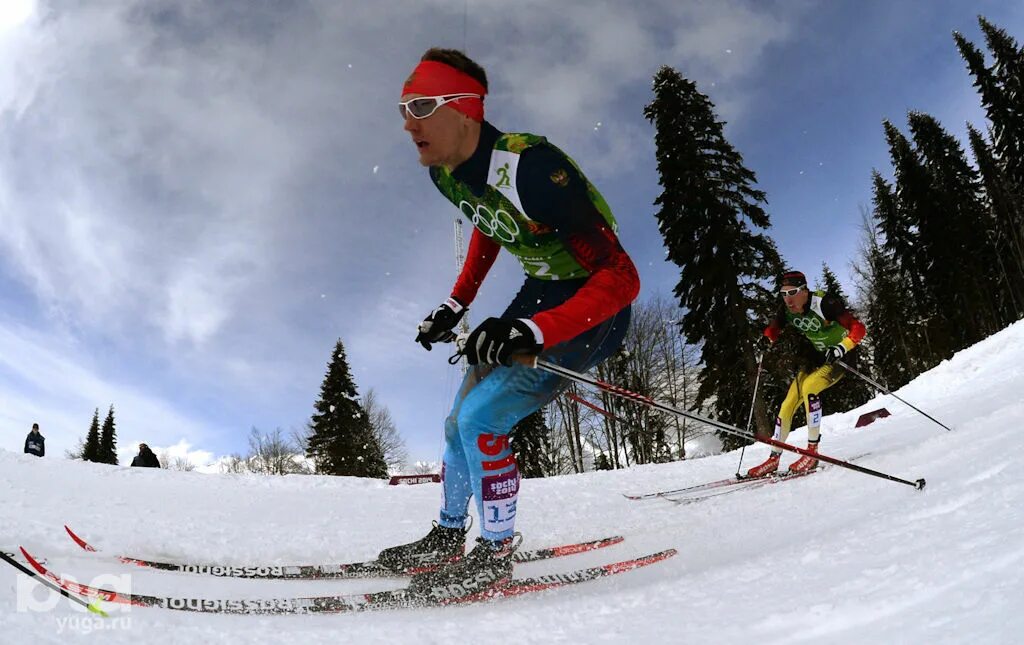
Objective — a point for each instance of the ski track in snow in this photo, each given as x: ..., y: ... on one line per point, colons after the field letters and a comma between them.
x: 839, y: 555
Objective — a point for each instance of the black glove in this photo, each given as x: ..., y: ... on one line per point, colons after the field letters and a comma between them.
x: 438, y: 326
x: 833, y: 353
x: 496, y: 340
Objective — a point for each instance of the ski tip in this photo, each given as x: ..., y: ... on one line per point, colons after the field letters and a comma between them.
x: 919, y: 484
x: 79, y: 541
x: 32, y: 561
x: 642, y: 561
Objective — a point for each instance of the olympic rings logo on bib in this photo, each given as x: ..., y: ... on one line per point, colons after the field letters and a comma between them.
x: 498, y: 224
x: 807, y: 324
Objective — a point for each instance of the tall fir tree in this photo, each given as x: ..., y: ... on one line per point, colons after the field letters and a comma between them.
x: 915, y: 207
x: 830, y: 283
x: 1001, y: 161
x: 955, y: 237
x: 530, y: 443
x: 1001, y: 87
x: 709, y: 214
x: 342, y: 441
x: 896, y: 346
x: 108, y: 440
x: 91, y: 450
x: 1006, y: 221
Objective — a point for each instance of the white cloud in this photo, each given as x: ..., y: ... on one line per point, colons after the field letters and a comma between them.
x: 50, y: 380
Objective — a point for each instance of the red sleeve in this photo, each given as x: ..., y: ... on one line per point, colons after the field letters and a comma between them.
x: 612, y: 285
x: 483, y: 251
x: 777, y: 324
x: 855, y: 327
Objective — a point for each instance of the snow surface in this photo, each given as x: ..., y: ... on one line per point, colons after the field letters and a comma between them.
x: 838, y: 557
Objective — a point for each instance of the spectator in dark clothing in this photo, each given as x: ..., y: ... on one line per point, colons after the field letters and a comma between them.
x: 145, y: 458
x: 35, y: 443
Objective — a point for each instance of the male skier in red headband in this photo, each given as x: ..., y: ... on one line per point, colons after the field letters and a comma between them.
x: 524, y: 195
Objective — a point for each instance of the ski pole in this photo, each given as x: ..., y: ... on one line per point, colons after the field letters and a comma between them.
x: 750, y: 417
x: 885, y: 391
x: 533, y: 361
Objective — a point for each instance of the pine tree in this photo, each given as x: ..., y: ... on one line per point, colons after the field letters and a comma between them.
x: 529, y: 440
x: 342, y: 441
x: 1001, y: 87
x: 896, y: 346
x: 1001, y: 162
x: 108, y: 440
x: 955, y: 236
x: 601, y: 462
x: 1006, y: 222
x: 914, y: 206
x: 708, y: 215
x: 830, y: 283
x: 91, y: 451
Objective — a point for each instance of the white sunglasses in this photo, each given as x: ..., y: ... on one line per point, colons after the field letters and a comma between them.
x: 423, y: 106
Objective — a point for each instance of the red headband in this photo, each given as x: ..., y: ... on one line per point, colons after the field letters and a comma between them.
x: 432, y: 78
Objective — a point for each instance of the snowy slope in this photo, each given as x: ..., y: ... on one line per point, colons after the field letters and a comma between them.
x: 837, y: 556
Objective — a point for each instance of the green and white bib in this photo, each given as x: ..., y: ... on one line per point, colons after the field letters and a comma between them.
x: 499, y: 213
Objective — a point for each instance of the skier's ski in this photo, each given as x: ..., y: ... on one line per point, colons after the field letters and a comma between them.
x: 734, y: 482
x: 752, y: 482
x: 396, y: 599
x: 11, y: 555
x: 369, y: 569
x: 730, y: 481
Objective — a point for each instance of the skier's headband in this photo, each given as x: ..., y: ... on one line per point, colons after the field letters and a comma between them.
x: 793, y: 279
x: 433, y: 78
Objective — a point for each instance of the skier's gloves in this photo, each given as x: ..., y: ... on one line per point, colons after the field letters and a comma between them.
x: 496, y: 340
x: 438, y: 326
x: 834, y: 353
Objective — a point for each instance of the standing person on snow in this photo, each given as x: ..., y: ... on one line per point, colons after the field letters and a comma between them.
x: 524, y: 195
x: 146, y: 458
x: 35, y: 443
x: 834, y: 331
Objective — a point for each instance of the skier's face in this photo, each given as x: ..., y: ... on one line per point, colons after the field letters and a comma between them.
x: 795, y: 302
x: 444, y: 138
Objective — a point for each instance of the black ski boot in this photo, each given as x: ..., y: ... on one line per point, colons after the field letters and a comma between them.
x: 440, y: 546
x: 484, y: 570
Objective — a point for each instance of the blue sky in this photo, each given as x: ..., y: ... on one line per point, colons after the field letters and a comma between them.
x: 198, y: 198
